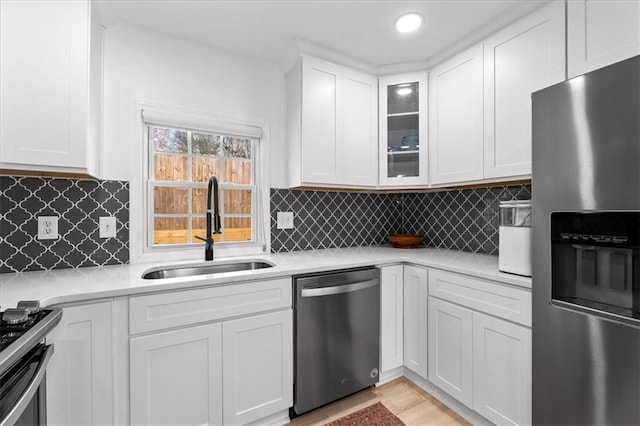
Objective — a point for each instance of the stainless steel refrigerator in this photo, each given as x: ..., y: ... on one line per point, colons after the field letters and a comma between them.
x: 586, y: 255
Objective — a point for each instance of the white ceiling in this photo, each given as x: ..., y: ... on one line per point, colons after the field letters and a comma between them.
x: 361, y: 29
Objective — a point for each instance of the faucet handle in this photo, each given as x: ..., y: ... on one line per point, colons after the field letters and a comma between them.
x: 200, y: 238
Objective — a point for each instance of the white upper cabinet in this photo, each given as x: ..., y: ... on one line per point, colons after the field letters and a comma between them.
x: 600, y: 33
x: 51, y: 55
x: 360, y: 145
x: 455, y: 118
x: 403, y: 130
x: 322, y: 121
x: 332, y: 129
x: 527, y: 56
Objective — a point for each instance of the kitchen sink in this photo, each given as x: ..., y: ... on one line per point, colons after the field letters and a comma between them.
x: 204, y: 269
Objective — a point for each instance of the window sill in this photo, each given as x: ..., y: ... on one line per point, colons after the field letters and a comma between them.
x: 173, y: 254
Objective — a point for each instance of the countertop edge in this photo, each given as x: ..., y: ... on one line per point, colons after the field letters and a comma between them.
x: 290, y: 264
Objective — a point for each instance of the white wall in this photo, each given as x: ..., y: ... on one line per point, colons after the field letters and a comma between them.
x: 146, y: 66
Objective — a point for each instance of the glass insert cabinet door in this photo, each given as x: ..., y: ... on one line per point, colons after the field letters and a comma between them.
x: 403, y: 135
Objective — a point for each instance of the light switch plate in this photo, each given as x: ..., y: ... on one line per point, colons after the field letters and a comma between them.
x: 107, y: 227
x: 47, y: 227
x: 285, y: 220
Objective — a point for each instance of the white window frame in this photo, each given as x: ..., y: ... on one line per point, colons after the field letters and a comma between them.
x: 142, y: 248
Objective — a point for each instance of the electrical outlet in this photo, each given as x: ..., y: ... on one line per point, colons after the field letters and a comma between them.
x: 107, y: 227
x: 47, y: 227
x: 285, y: 220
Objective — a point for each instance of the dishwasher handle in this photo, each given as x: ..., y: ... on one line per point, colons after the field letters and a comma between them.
x: 338, y: 289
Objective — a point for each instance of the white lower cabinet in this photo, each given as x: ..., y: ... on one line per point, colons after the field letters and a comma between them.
x: 257, y: 366
x: 391, y: 314
x: 482, y: 361
x: 231, y: 372
x: 501, y: 370
x: 415, y: 319
x: 176, y: 377
x: 450, y: 349
x: 80, y: 374
x: 233, y: 365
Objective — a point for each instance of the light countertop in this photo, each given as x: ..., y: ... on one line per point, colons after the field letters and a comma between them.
x: 82, y: 284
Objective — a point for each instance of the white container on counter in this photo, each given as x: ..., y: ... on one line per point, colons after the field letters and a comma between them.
x: 515, y: 237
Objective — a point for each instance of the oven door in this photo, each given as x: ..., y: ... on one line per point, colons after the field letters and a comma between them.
x: 22, y: 389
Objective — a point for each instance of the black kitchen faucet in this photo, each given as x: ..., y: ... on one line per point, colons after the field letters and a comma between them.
x: 217, y: 228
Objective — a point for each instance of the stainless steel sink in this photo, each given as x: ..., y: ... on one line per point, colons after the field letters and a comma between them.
x: 213, y: 268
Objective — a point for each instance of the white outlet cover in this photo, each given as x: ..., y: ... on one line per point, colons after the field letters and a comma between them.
x: 107, y: 227
x: 285, y: 220
x: 47, y: 227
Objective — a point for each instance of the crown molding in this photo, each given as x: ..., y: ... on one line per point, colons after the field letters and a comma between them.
x: 301, y: 47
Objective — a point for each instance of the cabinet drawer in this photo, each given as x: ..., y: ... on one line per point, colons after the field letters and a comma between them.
x: 179, y: 308
x: 493, y: 298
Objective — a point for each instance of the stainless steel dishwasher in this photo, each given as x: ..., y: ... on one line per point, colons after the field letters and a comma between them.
x: 337, y: 335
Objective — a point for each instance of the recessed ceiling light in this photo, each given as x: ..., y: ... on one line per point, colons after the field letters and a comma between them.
x: 409, y: 22
x: 404, y: 91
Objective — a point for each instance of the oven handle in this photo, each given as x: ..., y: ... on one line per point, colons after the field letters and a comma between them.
x: 337, y: 289
x: 17, y: 410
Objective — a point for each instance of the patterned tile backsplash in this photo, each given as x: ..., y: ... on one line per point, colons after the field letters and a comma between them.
x: 463, y: 219
x: 79, y: 205
x: 332, y: 219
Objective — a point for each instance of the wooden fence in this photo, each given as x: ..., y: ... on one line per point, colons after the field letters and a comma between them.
x: 168, y: 200
x: 174, y: 167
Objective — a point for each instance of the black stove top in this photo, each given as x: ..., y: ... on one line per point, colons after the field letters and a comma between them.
x: 9, y: 333
x: 22, y: 329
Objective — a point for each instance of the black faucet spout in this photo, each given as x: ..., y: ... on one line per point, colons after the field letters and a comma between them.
x: 213, y: 218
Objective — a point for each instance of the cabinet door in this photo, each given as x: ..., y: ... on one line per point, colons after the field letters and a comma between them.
x: 523, y: 58
x: 360, y: 142
x: 44, y: 83
x: 391, y: 317
x: 176, y: 377
x: 258, y: 366
x: 456, y: 118
x: 600, y: 33
x: 450, y: 349
x: 80, y: 374
x: 501, y: 370
x: 403, y: 130
x: 322, y: 121
x: 415, y: 319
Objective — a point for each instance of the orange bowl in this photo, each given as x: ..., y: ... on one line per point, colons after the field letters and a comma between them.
x: 405, y: 240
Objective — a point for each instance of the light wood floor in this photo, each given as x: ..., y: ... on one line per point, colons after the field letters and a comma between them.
x: 403, y: 398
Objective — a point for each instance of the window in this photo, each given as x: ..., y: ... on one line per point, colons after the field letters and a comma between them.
x: 181, y: 161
